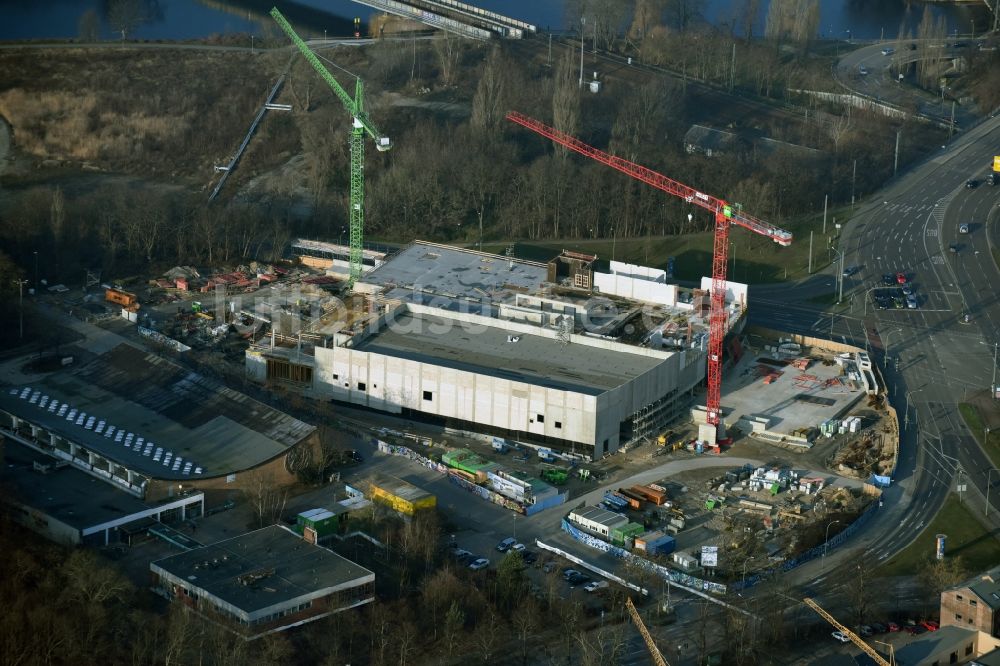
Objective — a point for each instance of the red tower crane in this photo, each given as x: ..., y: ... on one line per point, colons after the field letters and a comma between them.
x: 725, y: 214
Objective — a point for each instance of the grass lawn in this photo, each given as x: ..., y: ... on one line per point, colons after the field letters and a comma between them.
x: 758, y: 260
x: 967, y: 538
x: 975, y: 422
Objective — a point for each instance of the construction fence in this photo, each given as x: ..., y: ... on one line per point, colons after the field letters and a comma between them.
x: 675, y: 577
x: 816, y: 551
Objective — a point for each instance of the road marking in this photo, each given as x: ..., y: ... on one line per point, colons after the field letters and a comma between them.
x: 937, y: 258
x: 932, y: 231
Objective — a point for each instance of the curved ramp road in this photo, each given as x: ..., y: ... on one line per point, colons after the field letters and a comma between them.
x: 934, y: 356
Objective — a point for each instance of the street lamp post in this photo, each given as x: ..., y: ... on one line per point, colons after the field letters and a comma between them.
x: 826, y: 540
x: 906, y: 410
x: 614, y: 241
x: 745, y: 562
x: 20, y: 305
x: 583, y: 23
x: 885, y: 352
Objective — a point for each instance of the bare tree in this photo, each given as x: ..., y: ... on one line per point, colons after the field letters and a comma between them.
x: 839, y: 128
x: 446, y: 47
x: 937, y: 576
x: 488, y: 636
x: 124, y: 16
x: 88, y: 26
x: 565, y: 100
x: 266, y: 498
x: 454, y: 622
x: 91, y: 582
x: 489, y: 106
x: 648, y: 13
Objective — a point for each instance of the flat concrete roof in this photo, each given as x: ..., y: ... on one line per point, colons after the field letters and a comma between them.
x: 65, y: 493
x: 191, y: 416
x: 934, y: 643
x: 292, y: 568
x: 458, y: 273
x: 532, y: 359
x: 789, y: 402
x: 399, y: 488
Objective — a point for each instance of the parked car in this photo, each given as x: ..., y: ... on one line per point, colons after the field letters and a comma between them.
x: 916, y: 629
x: 549, y: 567
x: 461, y: 555
x: 888, y: 280
x: 529, y: 556
x: 865, y: 631
x: 569, y: 573
x: 911, y: 302
x: 595, y: 586
x: 879, y: 628
x: 901, y: 278
x: 577, y: 579
x: 929, y: 625
x: 517, y: 548
x: 888, y: 51
x: 506, y: 544
x: 481, y: 563
x: 892, y: 627
x: 840, y: 636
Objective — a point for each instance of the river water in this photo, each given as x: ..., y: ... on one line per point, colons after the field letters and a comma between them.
x: 192, y: 19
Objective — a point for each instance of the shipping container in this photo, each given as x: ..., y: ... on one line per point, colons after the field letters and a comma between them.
x: 634, y: 501
x: 655, y: 543
x: 620, y: 535
x: 324, y: 522
x: 657, y: 497
x: 120, y: 297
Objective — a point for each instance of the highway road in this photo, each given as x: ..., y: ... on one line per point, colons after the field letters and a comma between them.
x: 881, y: 81
x: 931, y: 357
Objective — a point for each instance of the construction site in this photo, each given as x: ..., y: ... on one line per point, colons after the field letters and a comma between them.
x: 670, y: 431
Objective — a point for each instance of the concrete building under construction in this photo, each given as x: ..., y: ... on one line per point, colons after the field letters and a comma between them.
x: 557, y: 355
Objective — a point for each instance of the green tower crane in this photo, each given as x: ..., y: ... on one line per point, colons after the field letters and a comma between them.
x: 362, y: 123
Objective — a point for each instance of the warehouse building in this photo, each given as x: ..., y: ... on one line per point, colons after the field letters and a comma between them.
x: 597, y: 520
x: 264, y: 581
x: 555, y: 355
x: 151, y: 427
x: 63, y: 504
x: 402, y: 497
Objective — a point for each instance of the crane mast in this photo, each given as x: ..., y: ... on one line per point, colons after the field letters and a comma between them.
x: 361, y: 124
x: 724, y: 215
x: 869, y: 650
x: 654, y: 651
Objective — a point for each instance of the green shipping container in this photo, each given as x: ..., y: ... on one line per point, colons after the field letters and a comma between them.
x: 322, y: 521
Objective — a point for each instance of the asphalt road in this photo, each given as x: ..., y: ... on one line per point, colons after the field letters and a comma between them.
x: 881, y: 80
x: 931, y: 358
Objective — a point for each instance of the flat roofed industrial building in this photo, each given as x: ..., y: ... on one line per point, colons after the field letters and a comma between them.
x: 149, y: 425
x: 510, y: 379
x: 505, y: 352
x: 264, y: 581
x: 64, y: 504
x: 556, y: 355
